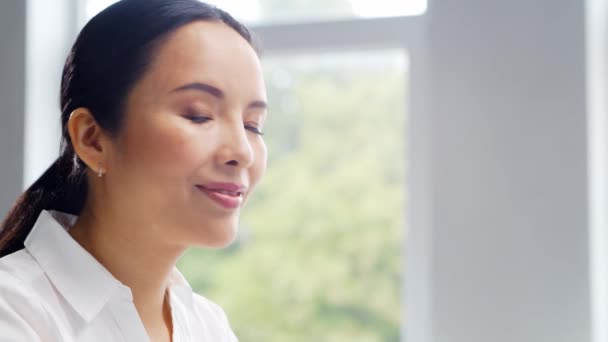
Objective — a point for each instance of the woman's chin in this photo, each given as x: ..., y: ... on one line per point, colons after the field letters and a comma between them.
x: 217, y: 237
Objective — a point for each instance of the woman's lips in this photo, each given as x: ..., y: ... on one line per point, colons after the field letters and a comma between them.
x: 226, y: 198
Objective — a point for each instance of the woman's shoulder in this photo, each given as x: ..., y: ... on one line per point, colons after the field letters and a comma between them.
x: 209, y: 311
x: 19, y: 273
x: 18, y: 267
x: 204, y: 304
x: 22, y: 314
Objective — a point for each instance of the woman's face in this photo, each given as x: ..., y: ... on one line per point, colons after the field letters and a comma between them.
x: 190, y: 153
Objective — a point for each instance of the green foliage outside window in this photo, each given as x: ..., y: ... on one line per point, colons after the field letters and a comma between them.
x: 319, y: 257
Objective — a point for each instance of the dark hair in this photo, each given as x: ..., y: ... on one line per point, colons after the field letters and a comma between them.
x: 110, y: 55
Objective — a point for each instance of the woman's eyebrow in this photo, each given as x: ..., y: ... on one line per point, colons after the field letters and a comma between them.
x: 206, y: 88
x: 218, y: 93
x: 257, y: 104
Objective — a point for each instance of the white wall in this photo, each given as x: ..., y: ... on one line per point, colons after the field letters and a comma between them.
x: 597, y: 126
x: 35, y: 37
x: 506, y: 113
x: 51, y: 28
x: 12, y: 100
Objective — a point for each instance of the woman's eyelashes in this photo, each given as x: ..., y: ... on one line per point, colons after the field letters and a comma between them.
x: 198, y: 119
x: 253, y: 129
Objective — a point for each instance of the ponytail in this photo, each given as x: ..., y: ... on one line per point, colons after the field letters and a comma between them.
x: 61, y: 187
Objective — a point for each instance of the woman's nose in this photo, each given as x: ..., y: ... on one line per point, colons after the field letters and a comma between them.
x: 235, y: 148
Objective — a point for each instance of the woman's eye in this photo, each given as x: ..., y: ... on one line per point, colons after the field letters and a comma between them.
x: 253, y: 129
x: 198, y: 118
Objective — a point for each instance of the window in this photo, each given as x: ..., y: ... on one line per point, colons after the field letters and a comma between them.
x: 319, y: 252
x: 269, y: 11
x: 272, y: 11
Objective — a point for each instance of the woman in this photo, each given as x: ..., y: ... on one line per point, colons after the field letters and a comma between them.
x: 163, y: 104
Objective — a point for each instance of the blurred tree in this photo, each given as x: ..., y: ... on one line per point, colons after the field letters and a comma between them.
x: 319, y: 254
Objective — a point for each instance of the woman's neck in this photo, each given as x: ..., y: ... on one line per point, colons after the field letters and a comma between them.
x: 136, y: 258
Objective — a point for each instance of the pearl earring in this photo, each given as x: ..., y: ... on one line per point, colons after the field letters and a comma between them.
x: 99, y: 171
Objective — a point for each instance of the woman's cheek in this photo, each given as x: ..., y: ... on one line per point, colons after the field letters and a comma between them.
x: 172, y: 145
x: 261, y: 157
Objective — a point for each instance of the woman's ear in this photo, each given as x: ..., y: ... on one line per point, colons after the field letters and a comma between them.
x: 88, y: 139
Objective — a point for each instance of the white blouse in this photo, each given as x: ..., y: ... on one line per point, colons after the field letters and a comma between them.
x: 54, y: 290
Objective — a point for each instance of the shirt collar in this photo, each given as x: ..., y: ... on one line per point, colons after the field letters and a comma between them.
x: 179, y: 286
x: 85, y: 283
x: 76, y: 274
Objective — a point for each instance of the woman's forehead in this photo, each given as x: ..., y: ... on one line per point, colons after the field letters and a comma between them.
x: 205, y: 51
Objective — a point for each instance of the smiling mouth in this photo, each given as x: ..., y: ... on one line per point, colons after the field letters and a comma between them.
x: 225, y: 198
x: 226, y: 192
